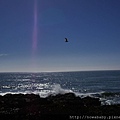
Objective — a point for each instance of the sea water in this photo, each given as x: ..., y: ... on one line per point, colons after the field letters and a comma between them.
x: 102, y: 84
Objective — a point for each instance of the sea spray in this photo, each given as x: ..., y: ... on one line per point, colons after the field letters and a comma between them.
x: 57, y: 89
x: 100, y: 84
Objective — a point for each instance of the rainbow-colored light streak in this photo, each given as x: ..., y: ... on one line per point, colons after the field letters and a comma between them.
x: 34, y: 43
x: 34, y: 39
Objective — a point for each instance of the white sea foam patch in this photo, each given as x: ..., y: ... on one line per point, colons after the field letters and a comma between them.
x: 57, y: 89
x: 44, y: 90
x: 51, y: 90
x: 90, y: 94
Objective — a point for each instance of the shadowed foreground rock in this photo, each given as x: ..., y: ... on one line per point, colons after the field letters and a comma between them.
x: 67, y: 106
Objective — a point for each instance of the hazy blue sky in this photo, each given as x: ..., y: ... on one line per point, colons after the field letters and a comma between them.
x: 91, y: 26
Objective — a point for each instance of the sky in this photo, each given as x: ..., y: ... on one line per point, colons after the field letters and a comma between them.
x: 33, y: 32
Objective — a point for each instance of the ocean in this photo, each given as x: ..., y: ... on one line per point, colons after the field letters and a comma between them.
x: 101, y: 84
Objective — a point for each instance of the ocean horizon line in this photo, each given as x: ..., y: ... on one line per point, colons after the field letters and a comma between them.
x: 58, y: 71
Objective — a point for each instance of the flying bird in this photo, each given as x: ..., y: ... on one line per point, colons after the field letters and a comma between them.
x: 66, y: 40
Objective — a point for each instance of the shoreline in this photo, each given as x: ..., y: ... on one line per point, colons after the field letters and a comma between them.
x: 68, y: 106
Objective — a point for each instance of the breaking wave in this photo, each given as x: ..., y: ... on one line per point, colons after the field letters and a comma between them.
x: 106, y: 98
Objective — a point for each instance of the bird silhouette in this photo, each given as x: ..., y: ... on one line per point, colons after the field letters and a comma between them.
x: 66, y: 40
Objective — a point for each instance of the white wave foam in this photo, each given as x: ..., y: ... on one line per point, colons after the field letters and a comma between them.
x: 90, y: 94
x: 44, y: 90
x: 55, y: 89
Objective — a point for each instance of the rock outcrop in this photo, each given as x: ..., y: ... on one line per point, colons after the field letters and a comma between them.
x: 32, y: 107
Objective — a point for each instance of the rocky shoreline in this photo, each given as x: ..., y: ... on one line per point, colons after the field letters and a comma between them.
x: 67, y: 106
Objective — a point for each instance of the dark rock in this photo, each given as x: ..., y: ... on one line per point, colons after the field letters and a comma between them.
x: 31, y: 106
x: 89, y: 101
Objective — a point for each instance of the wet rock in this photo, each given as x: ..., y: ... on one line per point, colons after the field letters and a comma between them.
x: 89, y: 101
x: 32, y: 107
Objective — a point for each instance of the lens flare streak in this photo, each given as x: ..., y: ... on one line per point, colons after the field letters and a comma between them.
x: 34, y: 43
x: 34, y: 38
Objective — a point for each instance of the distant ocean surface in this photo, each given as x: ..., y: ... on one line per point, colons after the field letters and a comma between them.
x: 102, y: 84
